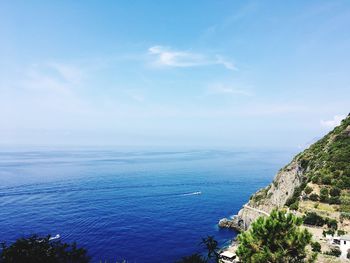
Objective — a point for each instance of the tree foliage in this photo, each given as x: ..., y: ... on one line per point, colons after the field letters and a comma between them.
x: 194, y: 258
x: 41, y: 250
x: 334, y: 252
x: 312, y: 218
x: 276, y: 239
x: 211, y: 246
x: 308, y: 190
x: 316, y: 247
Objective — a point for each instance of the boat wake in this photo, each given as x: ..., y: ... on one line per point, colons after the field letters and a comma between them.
x: 193, y: 193
x: 55, y: 237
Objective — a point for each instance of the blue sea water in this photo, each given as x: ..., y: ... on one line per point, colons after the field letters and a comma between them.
x: 140, y: 205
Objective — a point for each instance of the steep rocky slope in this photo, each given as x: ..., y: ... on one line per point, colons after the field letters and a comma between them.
x: 326, y: 164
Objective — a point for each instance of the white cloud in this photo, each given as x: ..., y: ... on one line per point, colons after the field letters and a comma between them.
x: 333, y: 122
x: 69, y: 73
x: 173, y: 58
x: 50, y: 78
x: 227, y: 90
x: 225, y: 63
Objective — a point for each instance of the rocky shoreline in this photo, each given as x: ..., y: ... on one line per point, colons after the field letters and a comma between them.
x: 233, y: 223
x: 265, y: 200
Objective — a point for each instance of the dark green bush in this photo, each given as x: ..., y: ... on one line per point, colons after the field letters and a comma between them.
x: 327, y: 179
x: 341, y: 232
x: 308, y: 190
x: 331, y: 223
x: 294, y: 206
x: 314, y: 179
x: 334, y: 200
x: 296, y: 194
x: 328, y: 232
x: 324, y: 195
x: 335, y: 191
x: 334, y: 252
x: 312, y: 218
x: 194, y: 258
x: 316, y: 247
x: 314, y: 197
x: 42, y: 250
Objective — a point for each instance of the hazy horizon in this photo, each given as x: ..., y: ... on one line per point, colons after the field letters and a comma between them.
x: 180, y: 74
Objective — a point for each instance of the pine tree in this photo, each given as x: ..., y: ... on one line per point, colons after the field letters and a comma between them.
x: 276, y: 239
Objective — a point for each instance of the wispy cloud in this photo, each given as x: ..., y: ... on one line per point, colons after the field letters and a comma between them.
x: 168, y: 57
x: 135, y: 95
x: 245, y: 11
x: 50, y: 77
x: 218, y: 89
x: 69, y: 73
x: 333, y: 122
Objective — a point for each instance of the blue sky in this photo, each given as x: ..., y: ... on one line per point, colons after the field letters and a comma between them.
x: 173, y: 73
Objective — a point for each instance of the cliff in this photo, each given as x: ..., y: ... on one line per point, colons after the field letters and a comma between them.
x: 326, y: 163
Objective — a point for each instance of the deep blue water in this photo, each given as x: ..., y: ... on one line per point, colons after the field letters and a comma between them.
x: 136, y: 205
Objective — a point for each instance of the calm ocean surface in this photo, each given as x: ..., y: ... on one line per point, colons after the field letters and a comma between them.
x: 137, y: 205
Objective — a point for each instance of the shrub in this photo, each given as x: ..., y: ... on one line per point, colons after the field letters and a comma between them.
x: 314, y: 179
x: 334, y: 252
x: 328, y: 232
x: 275, y: 184
x: 331, y: 223
x: 324, y: 191
x: 343, y: 183
x: 324, y: 195
x: 344, y: 215
x: 334, y: 200
x: 312, y: 218
x: 304, y: 163
x: 326, y: 179
x: 316, y: 247
x: 296, y: 194
x: 314, y: 197
x: 335, y: 191
x: 294, y: 206
x: 341, y: 232
x: 308, y: 190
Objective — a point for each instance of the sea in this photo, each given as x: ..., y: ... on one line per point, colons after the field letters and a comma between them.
x: 142, y: 205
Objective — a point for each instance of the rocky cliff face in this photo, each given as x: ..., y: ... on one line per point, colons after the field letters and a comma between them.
x: 265, y: 200
x: 324, y: 162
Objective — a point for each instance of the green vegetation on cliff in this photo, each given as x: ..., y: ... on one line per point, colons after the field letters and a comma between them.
x: 326, y: 164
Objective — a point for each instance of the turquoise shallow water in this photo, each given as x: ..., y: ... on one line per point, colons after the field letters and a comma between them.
x: 141, y: 205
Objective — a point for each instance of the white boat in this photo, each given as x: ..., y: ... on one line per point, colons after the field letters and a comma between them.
x: 55, y: 237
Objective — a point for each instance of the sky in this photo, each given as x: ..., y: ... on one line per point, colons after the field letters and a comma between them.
x: 173, y: 73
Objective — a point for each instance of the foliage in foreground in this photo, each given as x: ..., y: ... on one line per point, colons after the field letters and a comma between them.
x: 41, y: 250
x: 194, y: 258
x: 276, y: 239
x: 211, y: 245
